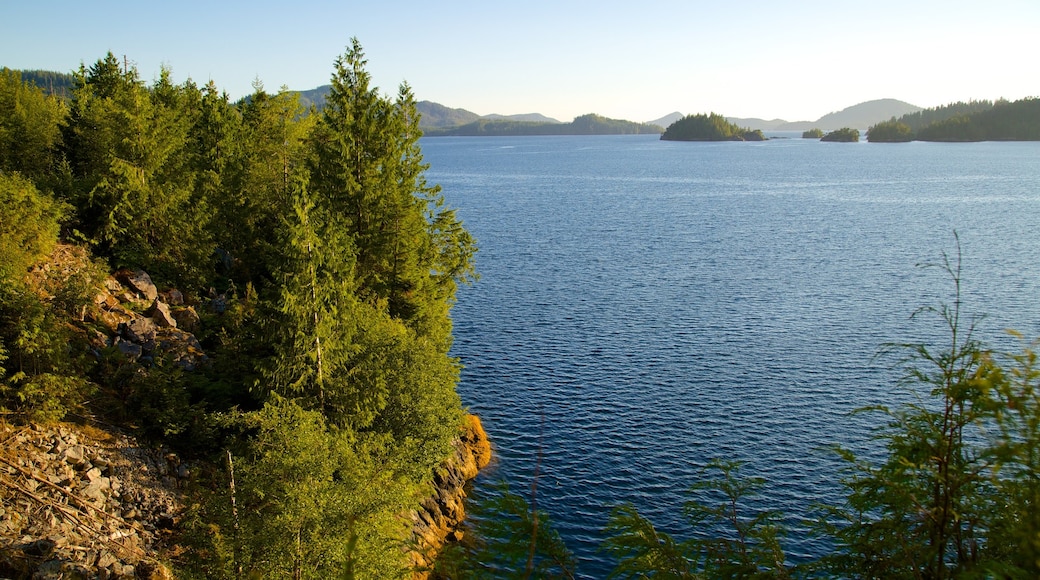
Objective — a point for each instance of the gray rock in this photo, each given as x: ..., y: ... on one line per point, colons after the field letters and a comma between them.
x: 160, y: 313
x: 173, y: 297
x: 139, y: 330
x: 140, y: 281
x: 129, y: 349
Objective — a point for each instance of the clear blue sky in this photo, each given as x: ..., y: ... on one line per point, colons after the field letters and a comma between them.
x: 636, y: 60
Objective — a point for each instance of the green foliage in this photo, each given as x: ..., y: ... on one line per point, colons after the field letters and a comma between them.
x: 513, y: 539
x: 923, y: 118
x: 750, y: 547
x: 1017, y: 121
x: 41, y: 377
x: 843, y: 135
x: 1013, y: 380
x: 959, y: 122
x: 29, y: 222
x: 712, y: 127
x: 130, y: 180
x: 50, y: 82
x: 890, y: 132
x: 924, y: 511
x: 40, y: 374
x: 256, y: 179
x: 814, y: 133
x: 29, y: 127
x: 304, y: 500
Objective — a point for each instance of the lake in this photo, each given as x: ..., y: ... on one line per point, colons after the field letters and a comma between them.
x: 647, y: 306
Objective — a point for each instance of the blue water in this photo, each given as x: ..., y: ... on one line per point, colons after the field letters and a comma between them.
x: 646, y: 306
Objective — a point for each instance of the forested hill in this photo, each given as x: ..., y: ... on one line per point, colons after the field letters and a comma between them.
x: 243, y: 282
x: 590, y: 124
x: 51, y: 83
x: 964, y: 122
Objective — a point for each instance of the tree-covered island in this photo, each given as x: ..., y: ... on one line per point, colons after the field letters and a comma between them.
x: 843, y: 135
x: 711, y: 127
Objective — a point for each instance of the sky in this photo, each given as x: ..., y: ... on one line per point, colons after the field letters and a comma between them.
x: 633, y: 60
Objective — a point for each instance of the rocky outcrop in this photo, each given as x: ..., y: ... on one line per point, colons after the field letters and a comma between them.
x: 440, y: 516
x: 144, y: 324
x: 84, y: 503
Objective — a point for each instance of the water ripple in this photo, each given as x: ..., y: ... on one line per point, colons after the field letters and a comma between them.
x: 646, y: 306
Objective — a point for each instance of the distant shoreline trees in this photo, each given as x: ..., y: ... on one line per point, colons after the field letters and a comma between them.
x: 590, y: 124
x: 964, y: 122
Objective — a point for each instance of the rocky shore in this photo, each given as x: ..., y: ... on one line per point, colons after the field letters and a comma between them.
x: 439, y: 518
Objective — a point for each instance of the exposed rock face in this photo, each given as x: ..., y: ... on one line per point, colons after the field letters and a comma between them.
x: 439, y: 518
x: 84, y: 503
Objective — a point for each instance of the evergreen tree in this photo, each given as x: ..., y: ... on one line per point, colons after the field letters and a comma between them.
x: 29, y: 127
x: 129, y: 178
x: 922, y: 511
x: 311, y: 501
x: 257, y: 188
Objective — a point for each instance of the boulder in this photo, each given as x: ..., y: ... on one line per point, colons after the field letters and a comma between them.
x: 140, y: 282
x: 173, y: 297
x: 140, y: 330
x: 187, y: 319
x: 161, y: 314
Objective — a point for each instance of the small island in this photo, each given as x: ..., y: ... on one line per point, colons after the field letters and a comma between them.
x: 843, y: 135
x: 712, y: 127
x: 814, y: 133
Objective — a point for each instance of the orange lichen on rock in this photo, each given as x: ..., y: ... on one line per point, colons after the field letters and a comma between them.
x: 439, y: 518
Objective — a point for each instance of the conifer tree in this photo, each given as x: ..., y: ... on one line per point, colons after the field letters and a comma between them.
x: 126, y: 151
x: 29, y: 127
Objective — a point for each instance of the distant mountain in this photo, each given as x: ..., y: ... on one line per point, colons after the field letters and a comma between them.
x: 863, y: 115
x: 590, y: 124
x: 666, y: 120
x: 523, y: 118
x: 754, y: 123
x: 437, y: 116
x: 859, y: 116
x: 314, y: 97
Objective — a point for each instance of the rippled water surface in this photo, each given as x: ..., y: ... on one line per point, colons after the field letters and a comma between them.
x: 647, y: 306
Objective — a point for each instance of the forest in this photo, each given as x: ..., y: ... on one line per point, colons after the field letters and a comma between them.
x: 317, y: 269
x: 964, y: 122
x: 319, y: 266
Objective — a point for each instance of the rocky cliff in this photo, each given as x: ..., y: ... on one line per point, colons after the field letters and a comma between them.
x: 439, y: 518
